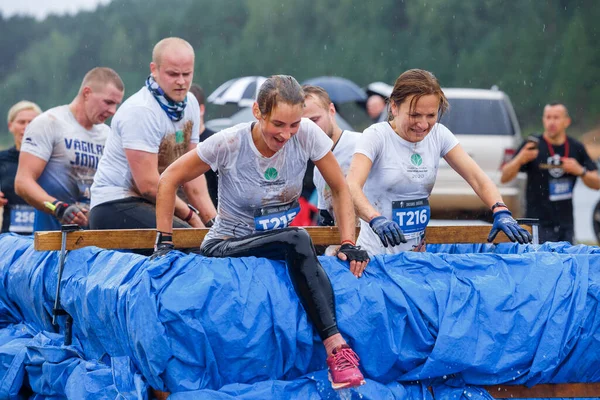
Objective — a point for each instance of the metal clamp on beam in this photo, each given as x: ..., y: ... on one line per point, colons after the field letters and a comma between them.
x: 58, y: 310
x: 534, y: 223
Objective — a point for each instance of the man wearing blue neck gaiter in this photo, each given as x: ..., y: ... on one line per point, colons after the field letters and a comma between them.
x: 152, y: 128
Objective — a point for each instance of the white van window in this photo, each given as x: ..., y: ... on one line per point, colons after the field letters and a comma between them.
x: 478, y: 117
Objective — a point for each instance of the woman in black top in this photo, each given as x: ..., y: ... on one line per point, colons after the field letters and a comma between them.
x: 17, y: 215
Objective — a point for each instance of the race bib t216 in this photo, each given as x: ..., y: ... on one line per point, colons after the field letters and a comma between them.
x: 412, y: 216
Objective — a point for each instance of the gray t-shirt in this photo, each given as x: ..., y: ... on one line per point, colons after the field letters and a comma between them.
x: 72, y: 154
x: 400, y: 181
x: 140, y: 124
x: 258, y: 193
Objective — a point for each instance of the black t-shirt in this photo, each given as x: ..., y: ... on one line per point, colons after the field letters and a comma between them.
x: 212, y: 178
x: 549, y: 188
x: 9, y: 160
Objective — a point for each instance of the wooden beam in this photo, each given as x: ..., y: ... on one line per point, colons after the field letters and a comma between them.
x: 556, y: 390
x: 190, y: 238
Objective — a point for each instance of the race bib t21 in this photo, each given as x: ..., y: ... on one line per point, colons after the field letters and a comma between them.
x: 275, y: 217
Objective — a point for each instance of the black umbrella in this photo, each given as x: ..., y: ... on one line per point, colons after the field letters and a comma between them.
x: 340, y: 90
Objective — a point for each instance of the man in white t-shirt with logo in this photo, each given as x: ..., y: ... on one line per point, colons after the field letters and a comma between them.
x: 61, y: 150
x: 319, y: 109
x: 152, y: 128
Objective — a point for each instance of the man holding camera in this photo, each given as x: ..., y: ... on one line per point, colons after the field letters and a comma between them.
x: 553, y: 162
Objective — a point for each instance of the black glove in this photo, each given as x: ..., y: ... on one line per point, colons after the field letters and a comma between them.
x: 388, y: 231
x: 503, y: 221
x: 163, y: 245
x: 210, y: 223
x: 64, y: 212
x: 325, y: 218
x: 354, y: 253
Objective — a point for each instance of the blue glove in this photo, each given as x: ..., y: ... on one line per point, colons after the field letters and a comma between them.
x: 388, y: 231
x: 503, y: 221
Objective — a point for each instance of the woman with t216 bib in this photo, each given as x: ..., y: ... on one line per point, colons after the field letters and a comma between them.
x: 395, y: 165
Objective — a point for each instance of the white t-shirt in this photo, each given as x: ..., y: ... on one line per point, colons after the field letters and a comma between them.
x: 258, y: 193
x: 72, y: 154
x: 400, y: 181
x: 140, y: 124
x: 343, y: 152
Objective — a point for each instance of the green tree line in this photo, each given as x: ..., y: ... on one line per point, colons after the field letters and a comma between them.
x: 534, y: 50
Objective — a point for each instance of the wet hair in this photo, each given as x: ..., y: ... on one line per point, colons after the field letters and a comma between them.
x: 417, y: 83
x: 558, y: 103
x: 162, y: 45
x: 22, y: 106
x: 279, y: 89
x: 198, y: 93
x: 318, y: 93
x: 100, y: 77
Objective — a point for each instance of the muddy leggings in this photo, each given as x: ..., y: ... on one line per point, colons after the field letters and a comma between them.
x: 295, y: 247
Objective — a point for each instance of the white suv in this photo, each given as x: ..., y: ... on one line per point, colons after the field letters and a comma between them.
x: 486, y: 126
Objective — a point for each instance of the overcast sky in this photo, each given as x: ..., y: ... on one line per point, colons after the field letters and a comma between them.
x: 41, y: 8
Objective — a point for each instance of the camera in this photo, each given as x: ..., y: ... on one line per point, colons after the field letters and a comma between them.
x: 533, y: 139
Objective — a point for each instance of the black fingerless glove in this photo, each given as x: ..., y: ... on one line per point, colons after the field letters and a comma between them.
x: 64, y: 212
x: 209, y: 223
x: 354, y: 253
x: 59, y: 209
x: 163, y: 245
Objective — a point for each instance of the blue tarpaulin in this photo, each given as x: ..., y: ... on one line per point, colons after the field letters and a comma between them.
x: 454, y: 319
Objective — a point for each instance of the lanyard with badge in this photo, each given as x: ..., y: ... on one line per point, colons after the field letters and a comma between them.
x: 560, y: 186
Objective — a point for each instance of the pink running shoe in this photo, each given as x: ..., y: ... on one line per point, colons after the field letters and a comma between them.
x: 343, y: 368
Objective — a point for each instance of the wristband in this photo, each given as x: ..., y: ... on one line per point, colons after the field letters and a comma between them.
x: 348, y: 241
x: 498, y: 204
x: 191, y: 214
x: 584, y: 172
x: 162, y: 237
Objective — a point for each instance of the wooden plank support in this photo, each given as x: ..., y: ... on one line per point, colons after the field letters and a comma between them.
x: 555, y: 390
x: 190, y: 238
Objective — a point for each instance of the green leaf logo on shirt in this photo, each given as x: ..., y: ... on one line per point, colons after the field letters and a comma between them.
x: 271, y: 174
x: 179, y: 136
x: 416, y: 159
